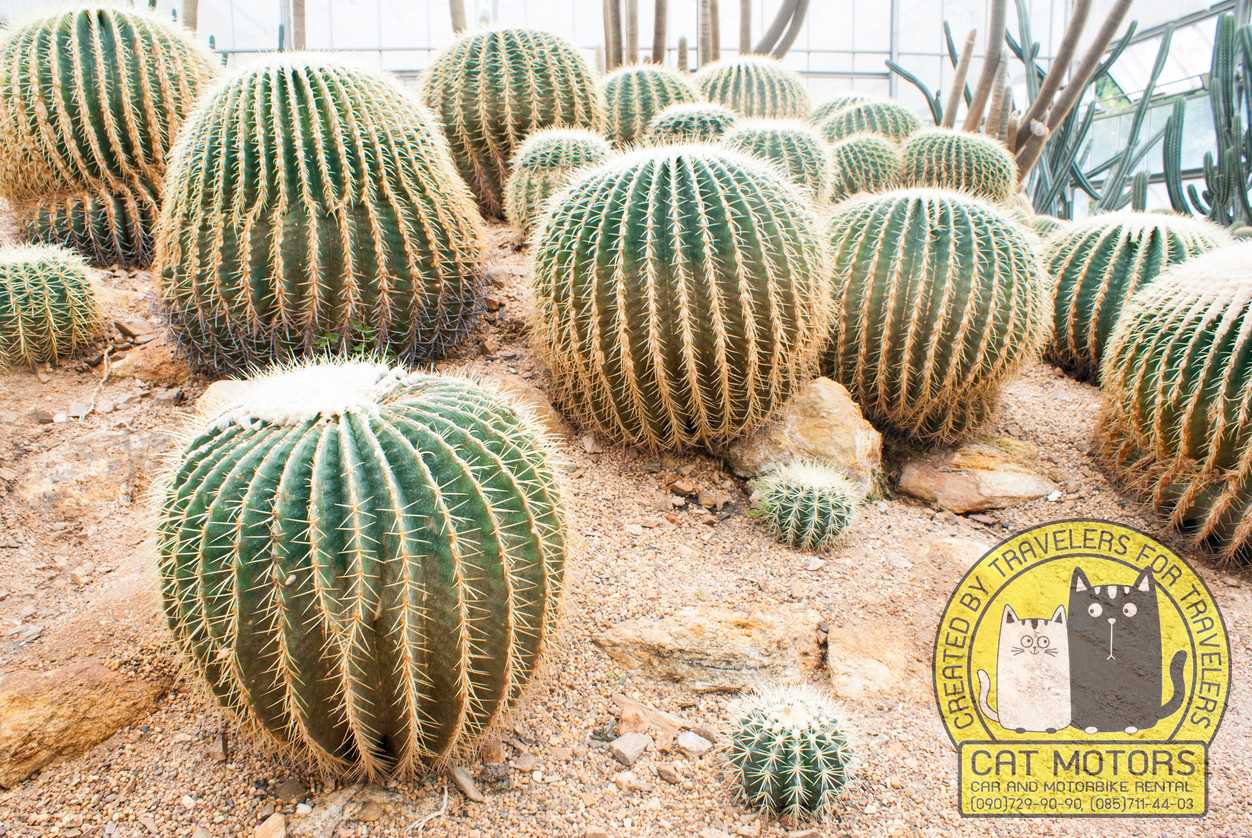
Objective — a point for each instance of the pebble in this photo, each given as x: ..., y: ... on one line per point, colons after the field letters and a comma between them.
x: 814, y: 564
x: 668, y: 772
x: 693, y: 743
x: 633, y: 529
x: 465, y: 784
x: 628, y: 747
x: 525, y: 762
x: 290, y: 790
x: 275, y: 826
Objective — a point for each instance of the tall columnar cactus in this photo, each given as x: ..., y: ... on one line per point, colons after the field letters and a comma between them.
x: 806, y: 505
x: 91, y: 100
x: 636, y: 94
x: 48, y: 308
x: 1178, y: 408
x: 835, y: 104
x: 864, y: 163
x: 682, y: 293
x: 543, y: 166
x: 967, y: 162
x: 793, y: 146
x: 938, y: 299
x: 789, y: 753
x: 363, y: 562
x: 294, y: 223
x: 493, y: 89
x: 755, y: 86
x: 876, y: 116
x: 1099, y: 263
x: 695, y: 123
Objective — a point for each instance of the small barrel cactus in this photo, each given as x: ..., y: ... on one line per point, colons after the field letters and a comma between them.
x: 789, y: 753
x: 1045, y: 226
x: 806, y: 505
x: 636, y: 94
x: 1178, y: 408
x: 939, y: 297
x: 543, y: 167
x: 794, y: 147
x: 864, y: 163
x: 1099, y: 263
x: 962, y: 160
x: 874, y: 116
x: 48, y: 308
x: 363, y: 562
x: 835, y: 104
x: 694, y: 123
x: 354, y: 232
x: 91, y: 100
x: 493, y: 89
x: 755, y: 86
x: 679, y: 295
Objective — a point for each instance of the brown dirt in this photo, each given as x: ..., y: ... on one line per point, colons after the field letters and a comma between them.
x: 77, y: 580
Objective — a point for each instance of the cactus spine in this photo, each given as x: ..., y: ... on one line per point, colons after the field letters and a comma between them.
x: 973, y: 163
x: 91, y: 100
x: 875, y: 116
x: 363, y: 562
x: 543, y: 167
x: 755, y: 86
x: 48, y: 308
x: 695, y: 123
x: 636, y: 94
x: 806, y: 505
x: 834, y: 105
x: 1098, y: 264
x: 938, y: 299
x: 682, y: 293
x: 864, y: 163
x: 493, y: 89
x: 794, y: 147
x: 354, y: 232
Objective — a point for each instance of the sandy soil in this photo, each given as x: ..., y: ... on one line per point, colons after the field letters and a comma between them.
x: 76, y: 578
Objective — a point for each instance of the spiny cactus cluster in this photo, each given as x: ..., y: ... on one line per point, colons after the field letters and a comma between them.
x: 789, y: 753
x: 938, y: 299
x: 967, y: 162
x: 806, y: 505
x: 1098, y: 264
x: 493, y: 89
x: 794, y: 147
x: 634, y: 95
x: 1178, y: 408
x: 91, y: 100
x: 833, y: 105
x: 694, y: 123
x: 755, y: 86
x: 48, y: 308
x: 353, y: 232
x: 682, y: 293
x: 543, y: 166
x: 362, y: 562
x: 864, y: 163
x: 874, y: 116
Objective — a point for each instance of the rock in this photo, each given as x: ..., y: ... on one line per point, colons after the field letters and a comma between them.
x: 275, y: 826
x: 156, y: 362
x: 629, y: 781
x: 820, y: 422
x: 711, y: 648
x: 491, y: 752
x: 86, y: 476
x: 525, y: 762
x: 590, y: 444
x: 633, y: 529
x: 465, y: 784
x: 634, y: 717
x: 865, y: 661
x: 981, y: 475
x: 956, y: 555
x: 200, y: 832
x: 693, y: 744
x: 668, y: 772
x: 628, y: 747
x: 804, y: 833
x: 532, y: 398
x: 290, y: 790
x: 64, y: 711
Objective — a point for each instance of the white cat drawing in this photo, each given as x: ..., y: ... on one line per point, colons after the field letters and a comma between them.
x: 1032, y: 674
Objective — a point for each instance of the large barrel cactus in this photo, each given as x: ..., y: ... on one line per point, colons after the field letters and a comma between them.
x: 967, y: 162
x: 362, y: 562
x: 698, y: 122
x: 874, y: 116
x: 1177, y: 381
x: 48, y: 308
x: 938, y: 298
x: 835, y: 104
x: 313, y: 206
x: 493, y: 89
x: 543, y: 166
x: 864, y: 163
x: 755, y: 86
x: 793, y: 146
x: 91, y: 100
x: 636, y: 94
x: 682, y: 293
x: 1097, y: 265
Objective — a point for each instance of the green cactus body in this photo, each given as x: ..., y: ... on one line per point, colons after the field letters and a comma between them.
x: 938, y: 299
x: 806, y: 505
x: 966, y: 162
x: 1098, y: 264
x: 679, y: 295
x: 793, y: 146
x: 314, y: 206
x: 91, y: 101
x: 543, y: 167
x: 1046, y: 226
x: 875, y: 116
x: 491, y: 90
x: 789, y: 754
x: 1177, y: 421
x: 48, y: 308
x: 864, y: 163
x: 836, y: 104
x: 755, y: 86
x: 695, y: 123
x: 362, y: 562
x: 634, y: 95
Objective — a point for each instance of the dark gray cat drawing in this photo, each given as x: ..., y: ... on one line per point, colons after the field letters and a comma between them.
x: 1115, y: 656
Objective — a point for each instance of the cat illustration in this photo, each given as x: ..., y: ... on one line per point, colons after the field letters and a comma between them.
x: 1115, y: 656
x: 1032, y: 674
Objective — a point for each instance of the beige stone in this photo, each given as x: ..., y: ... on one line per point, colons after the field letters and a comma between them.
x: 980, y: 475
x: 275, y: 826
x: 157, y: 362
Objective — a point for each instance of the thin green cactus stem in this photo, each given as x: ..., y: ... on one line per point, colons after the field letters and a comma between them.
x: 634, y: 95
x: 48, y: 309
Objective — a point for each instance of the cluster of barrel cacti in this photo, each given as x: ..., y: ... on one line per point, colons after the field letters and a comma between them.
x: 48, y: 308
x: 634, y: 95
